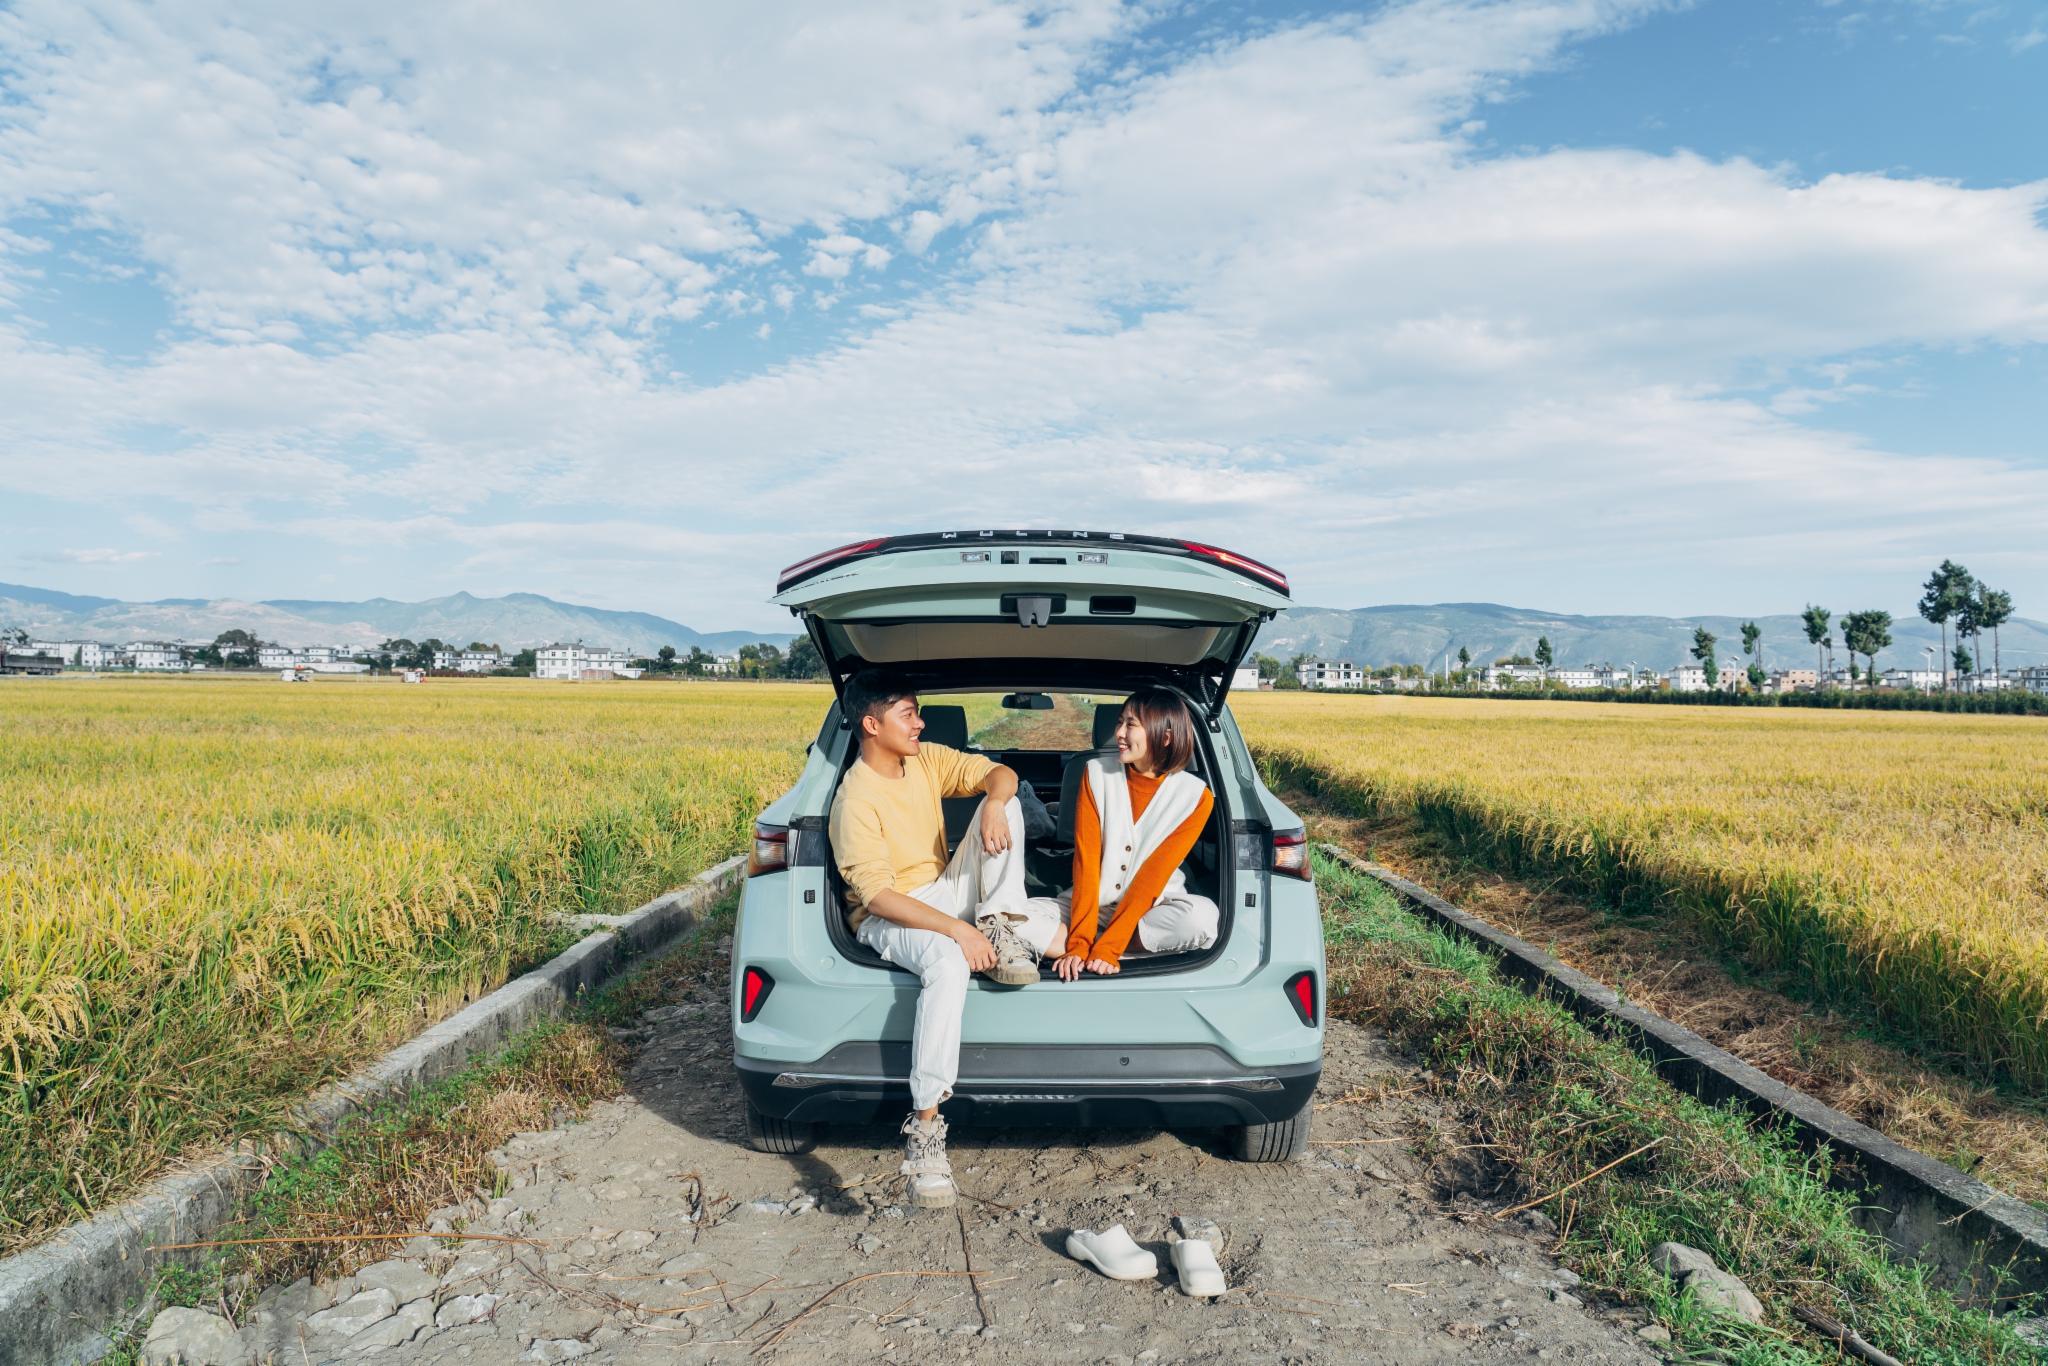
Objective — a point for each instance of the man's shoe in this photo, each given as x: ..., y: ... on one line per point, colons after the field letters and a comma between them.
x: 924, y: 1162
x: 1016, y: 962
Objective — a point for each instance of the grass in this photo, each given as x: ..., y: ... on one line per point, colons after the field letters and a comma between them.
x: 215, y: 895
x: 1897, y: 863
x: 1555, y: 1103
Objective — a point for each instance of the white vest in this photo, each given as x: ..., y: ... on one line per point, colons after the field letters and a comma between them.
x: 1126, y: 844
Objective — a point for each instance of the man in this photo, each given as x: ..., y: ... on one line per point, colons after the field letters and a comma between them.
x: 940, y: 917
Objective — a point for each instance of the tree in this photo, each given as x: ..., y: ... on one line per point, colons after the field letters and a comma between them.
x: 1753, y: 641
x: 1946, y: 590
x: 1994, y: 609
x: 1545, y: 657
x: 1703, y: 642
x: 1815, y: 619
x: 524, y: 661
x: 700, y: 662
x: 236, y: 648
x: 665, y: 659
x: 1964, y: 664
x: 483, y: 645
x: 1464, y: 659
x: 803, y: 660
x: 1865, y: 633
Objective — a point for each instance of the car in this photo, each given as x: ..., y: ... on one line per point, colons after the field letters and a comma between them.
x: 1050, y: 627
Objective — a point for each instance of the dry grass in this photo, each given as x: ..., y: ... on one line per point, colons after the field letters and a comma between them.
x: 1997, y: 1135
x: 1896, y: 862
x: 216, y: 894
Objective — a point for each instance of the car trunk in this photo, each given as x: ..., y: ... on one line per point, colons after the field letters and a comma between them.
x: 1036, y: 610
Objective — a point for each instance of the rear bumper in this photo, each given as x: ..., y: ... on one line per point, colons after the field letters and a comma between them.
x: 1087, y: 1085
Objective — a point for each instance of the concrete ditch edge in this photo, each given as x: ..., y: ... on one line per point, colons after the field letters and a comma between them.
x: 1979, y: 1240
x: 60, y: 1300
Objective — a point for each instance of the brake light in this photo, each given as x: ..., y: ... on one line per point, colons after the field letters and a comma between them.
x: 1243, y: 564
x: 770, y: 853
x: 804, y: 568
x: 1290, y: 853
x: 754, y: 988
x: 1301, y: 994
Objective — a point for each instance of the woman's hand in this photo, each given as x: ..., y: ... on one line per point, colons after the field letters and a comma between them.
x: 1069, y: 967
x: 1102, y: 967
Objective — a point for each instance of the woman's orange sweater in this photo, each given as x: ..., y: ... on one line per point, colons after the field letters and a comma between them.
x: 1143, y: 889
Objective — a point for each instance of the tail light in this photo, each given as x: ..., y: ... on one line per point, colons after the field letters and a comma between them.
x: 1290, y: 853
x: 803, y: 569
x: 1243, y: 564
x: 771, y: 849
x: 1301, y: 994
x: 754, y: 988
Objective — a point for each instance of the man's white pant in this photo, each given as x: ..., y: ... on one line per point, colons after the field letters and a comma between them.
x: 974, y: 882
x: 1174, y: 924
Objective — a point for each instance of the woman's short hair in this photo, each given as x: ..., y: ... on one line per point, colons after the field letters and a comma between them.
x: 1169, y: 728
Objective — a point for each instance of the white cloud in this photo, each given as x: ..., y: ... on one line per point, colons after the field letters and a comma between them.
x: 97, y: 555
x: 1267, y: 292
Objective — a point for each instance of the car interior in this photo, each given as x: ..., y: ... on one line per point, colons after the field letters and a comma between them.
x: 1054, y: 777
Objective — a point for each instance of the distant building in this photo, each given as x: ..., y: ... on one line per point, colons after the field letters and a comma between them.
x: 591, y: 662
x: 1323, y: 673
x: 276, y: 656
x: 1246, y: 679
x: 1795, y: 680
x: 558, y: 661
x: 2034, y: 677
x: 1590, y: 676
x: 478, y: 661
x: 155, y: 656
x: 1512, y: 675
x: 446, y: 660
x: 1926, y: 680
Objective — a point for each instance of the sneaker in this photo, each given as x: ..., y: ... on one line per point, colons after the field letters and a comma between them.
x: 1016, y: 961
x: 924, y: 1162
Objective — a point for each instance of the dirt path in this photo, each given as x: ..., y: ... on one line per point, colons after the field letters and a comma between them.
x: 658, y: 1235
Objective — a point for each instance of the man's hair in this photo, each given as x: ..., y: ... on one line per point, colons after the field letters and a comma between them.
x: 872, y: 692
x: 1169, y: 729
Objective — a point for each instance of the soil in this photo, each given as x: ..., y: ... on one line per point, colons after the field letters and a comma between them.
x: 1997, y: 1136
x: 652, y: 1233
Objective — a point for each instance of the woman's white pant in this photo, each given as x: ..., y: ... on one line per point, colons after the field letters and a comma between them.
x: 1174, y: 924
x: 974, y: 882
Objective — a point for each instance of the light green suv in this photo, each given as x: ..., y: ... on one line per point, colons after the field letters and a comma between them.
x: 1229, y: 1037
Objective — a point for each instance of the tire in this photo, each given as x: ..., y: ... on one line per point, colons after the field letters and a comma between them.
x: 1283, y: 1140
x: 767, y: 1134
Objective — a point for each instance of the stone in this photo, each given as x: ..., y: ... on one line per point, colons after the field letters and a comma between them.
x: 802, y: 1204
x: 465, y: 1309
x: 557, y: 1349
x: 1654, y: 1332
x: 634, y: 1240
x: 893, y: 1212
x: 867, y: 1244
x: 408, y: 1323
x: 1677, y: 1260
x: 1567, y: 1299
x: 1724, y: 1293
x: 193, y: 1337
x: 403, y: 1279
x: 2033, y: 1332
x: 766, y: 1206
x: 355, y: 1313
x: 563, y: 1321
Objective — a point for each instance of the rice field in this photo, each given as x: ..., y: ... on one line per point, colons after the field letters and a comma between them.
x: 1896, y: 862
x: 217, y: 894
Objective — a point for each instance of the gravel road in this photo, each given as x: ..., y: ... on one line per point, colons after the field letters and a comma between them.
x: 658, y: 1236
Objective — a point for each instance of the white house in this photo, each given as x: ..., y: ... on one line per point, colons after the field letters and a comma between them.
x: 723, y: 664
x: 1589, y: 676
x: 66, y: 650
x: 1928, y: 680
x: 276, y: 656
x: 1246, y: 679
x: 1508, y: 675
x: 558, y: 661
x: 1322, y: 673
x: 156, y: 656
x: 2033, y: 676
x: 477, y: 661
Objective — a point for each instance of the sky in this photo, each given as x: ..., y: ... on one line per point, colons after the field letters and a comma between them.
x: 1582, y: 305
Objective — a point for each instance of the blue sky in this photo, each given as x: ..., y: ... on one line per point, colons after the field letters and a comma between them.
x: 1590, y: 305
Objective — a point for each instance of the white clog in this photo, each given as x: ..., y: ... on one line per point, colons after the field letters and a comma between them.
x: 1194, y: 1261
x: 1113, y: 1253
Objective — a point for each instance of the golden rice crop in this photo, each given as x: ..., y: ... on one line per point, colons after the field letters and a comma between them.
x: 216, y: 893
x: 1896, y: 861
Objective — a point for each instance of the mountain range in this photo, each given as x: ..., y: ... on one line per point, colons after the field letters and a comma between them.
x: 1432, y: 634
x: 513, y: 622
x: 1426, y: 634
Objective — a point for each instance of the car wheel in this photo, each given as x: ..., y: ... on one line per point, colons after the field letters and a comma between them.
x: 1281, y: 1141
x: 768, y: 1134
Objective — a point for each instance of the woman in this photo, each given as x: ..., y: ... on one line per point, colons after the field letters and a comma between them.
x: 1135, y: 822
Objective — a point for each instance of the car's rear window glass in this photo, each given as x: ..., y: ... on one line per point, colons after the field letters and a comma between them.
x: 1067, y: 726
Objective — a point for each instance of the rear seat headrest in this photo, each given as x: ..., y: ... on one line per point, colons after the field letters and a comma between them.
x: 945, y: 724
x: 1106, y: 714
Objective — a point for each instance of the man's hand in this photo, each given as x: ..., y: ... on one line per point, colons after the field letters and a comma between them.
x: 1069, y: 967
x: 1102, y: 967
x: 995, y: 826
x: 974, y: 946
